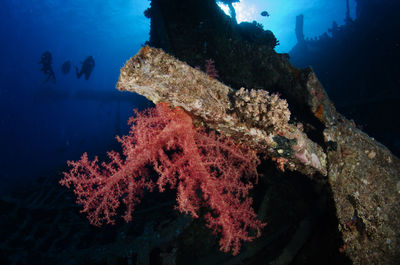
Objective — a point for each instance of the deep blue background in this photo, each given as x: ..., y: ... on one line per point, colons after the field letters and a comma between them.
x: 45, y: 124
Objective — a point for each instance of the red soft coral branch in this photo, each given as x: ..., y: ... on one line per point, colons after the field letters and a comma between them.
x: 207, y: 170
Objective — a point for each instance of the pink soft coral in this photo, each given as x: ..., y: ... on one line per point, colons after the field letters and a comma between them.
x: 207, y: 170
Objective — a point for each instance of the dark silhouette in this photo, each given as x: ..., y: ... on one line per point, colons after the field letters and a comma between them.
x: 87, y: 68
x: 357, y: 63
x: 46, y: 62
x: 66, y: 67
x: 299, y: 29
x: 264, y: 14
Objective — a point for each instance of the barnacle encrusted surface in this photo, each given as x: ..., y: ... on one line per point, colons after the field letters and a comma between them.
x: 261, y: 109
x: 362, y: 174
x: 251, y: 117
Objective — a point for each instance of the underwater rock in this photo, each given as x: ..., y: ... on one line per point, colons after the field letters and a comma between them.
x: 254, y: 117
x: 362, y: 174
x: 364, y: 177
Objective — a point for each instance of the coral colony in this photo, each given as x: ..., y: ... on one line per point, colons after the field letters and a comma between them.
x: 208, y: 171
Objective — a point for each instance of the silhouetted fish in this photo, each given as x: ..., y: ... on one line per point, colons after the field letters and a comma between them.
x: 265, y: 14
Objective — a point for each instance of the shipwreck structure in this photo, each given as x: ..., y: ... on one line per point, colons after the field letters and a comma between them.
x: 329, y: 193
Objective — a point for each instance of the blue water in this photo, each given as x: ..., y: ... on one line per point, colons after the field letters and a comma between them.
x: 318, y: 16
x: 44, y: 124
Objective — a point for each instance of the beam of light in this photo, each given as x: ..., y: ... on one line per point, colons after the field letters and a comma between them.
x: 318, y: 16
x: 245, y: 11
